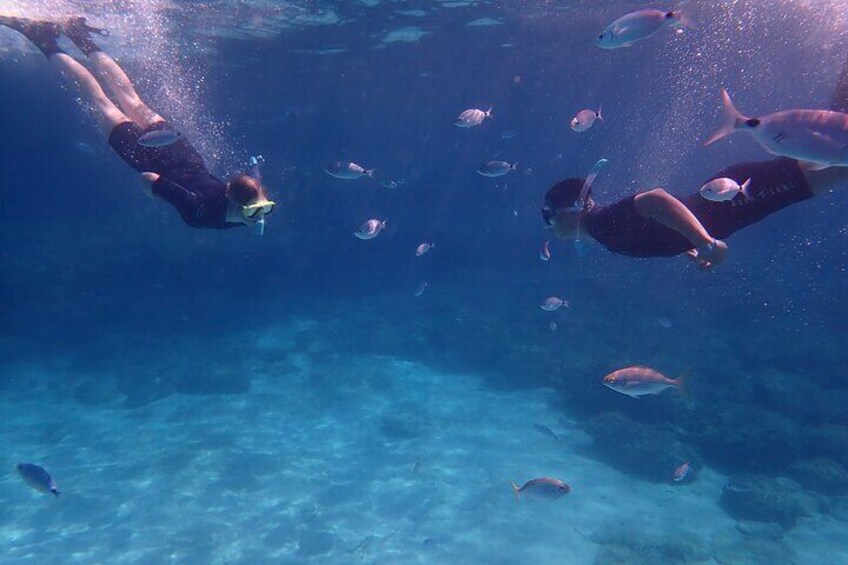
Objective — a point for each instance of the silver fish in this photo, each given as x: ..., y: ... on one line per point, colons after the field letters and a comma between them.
x: 495, y: 168
x: 819, y: 137
x: 544, y: 488
x: 472, y: 117
x: 639, y: 25
x: 37, y: 478
x: 159, y: 138
x: 553, y: 303
x: 724, y: 189
x: 423, y: 248
x: 421, y: 289
x: 585, y: 119
x: 347, y: 170
x: 370, y: 229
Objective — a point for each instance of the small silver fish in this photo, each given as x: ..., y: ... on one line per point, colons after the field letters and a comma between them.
x: 545, y: 252
x: 639, y: 380
x: 639, y: 25
x: 553, y: 326
x: 585, y: 119
x: 553, y: 303
x: 819, y: 137
x: 421, y: 288
x: 159, y: 138
x: 423, y: 248
x: 348, y: 171
x: 37, y: 478
x: 370, y: 229
x: 472, y: 117
x: 495, y: 168
x: 543, y: 488
x: 724, y: 189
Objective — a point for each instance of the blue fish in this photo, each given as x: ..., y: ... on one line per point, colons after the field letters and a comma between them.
x: 37, y: 478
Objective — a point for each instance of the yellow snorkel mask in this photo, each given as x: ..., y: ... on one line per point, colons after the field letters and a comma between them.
x: 256, y: 212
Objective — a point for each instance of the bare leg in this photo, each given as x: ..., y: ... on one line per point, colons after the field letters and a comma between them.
x: 110, y: 115
x: 122, y: 90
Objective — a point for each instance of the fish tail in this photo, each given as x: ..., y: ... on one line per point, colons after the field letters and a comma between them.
x: 516, y: 489
x: 598, y: 113
x: 513, y: 167
x: 489, y: 112
x: 733, y: 119
x: 745, y: 189
x: 681, y: 384
x: 369, y: 173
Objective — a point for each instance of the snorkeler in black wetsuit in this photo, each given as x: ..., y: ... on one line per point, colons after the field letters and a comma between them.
x: 656, y: 224
x: 175, y: 172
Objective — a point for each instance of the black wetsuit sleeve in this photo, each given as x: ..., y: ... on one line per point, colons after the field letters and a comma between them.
x: 204, y: 205
x: 179, y: 196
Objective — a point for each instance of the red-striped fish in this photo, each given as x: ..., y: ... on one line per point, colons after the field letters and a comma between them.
x: 639, y: 380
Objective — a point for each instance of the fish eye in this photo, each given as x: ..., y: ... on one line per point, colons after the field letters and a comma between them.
x: 601, y: 36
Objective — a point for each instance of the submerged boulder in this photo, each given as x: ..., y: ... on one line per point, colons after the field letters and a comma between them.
x: 821, y: 475
x: 767, y: 499
x: 647, y: 451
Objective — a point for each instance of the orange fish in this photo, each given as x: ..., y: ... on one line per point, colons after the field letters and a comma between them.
x: 681, y: 472
x: 639, y: 380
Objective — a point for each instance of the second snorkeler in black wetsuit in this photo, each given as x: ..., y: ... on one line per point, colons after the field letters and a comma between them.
x: 175, y: 172
x: 656, y: 224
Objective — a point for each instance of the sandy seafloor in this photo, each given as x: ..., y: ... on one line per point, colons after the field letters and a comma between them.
x: 377, y: 460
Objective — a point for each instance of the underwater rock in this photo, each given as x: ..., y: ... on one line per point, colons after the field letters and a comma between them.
x: 827, y: 441
x: 314, y: 544
x: 763, y: 530
x: 766, y: 499
x: 794, y: 396
x: 635, y: 547
x: 732, y: 547
x: 821, y: 475
x: 746, y: 438
x: 143, y: 389
x: 648, y: 451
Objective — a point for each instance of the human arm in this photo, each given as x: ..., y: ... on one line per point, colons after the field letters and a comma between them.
x: 662, y: 207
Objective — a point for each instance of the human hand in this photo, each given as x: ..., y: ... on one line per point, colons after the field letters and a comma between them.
x: 147, y: 181
x: 708, y: 257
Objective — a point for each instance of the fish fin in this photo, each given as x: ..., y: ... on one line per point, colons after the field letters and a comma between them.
x: 681, y: 384
x: 516, y: 489
x: 732, y: 119
x: 598, y: 113
x: 745, y: 189
x: 813, y: 166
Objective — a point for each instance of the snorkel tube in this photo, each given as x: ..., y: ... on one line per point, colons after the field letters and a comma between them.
x: 255, y: 161
x: 583, y: 201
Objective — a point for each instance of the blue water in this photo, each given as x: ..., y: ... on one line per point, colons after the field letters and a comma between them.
x: 220, y: 397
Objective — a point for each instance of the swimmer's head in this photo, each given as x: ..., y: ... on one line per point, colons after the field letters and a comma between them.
x: 243, y: 188
x: 250, y: 196
x: 563, y: 206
